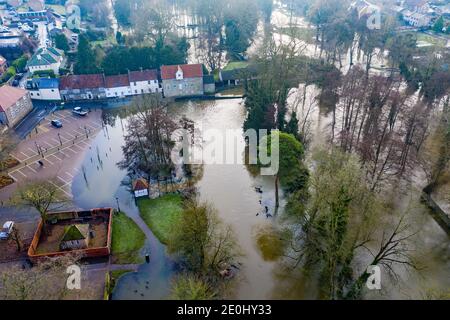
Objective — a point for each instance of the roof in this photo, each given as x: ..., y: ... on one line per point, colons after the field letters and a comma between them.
x: 9, y: 96
x: 140, y: 184
x: 117, y: 81
x: 2, y: 60
x: 75, y: 232
x: 189, y: 71
x: 208, y: 79
x: 415, y: 3
x: 45, y: 83
x: 143, y: 75
x: 43, y: 57
x: 82, y: 81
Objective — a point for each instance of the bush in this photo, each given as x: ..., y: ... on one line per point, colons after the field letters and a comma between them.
x: 10, y: 72
x: 44, y: 74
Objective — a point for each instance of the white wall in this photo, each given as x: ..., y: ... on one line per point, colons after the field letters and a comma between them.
x: 45, y: 94
x: 53, y: 66
x: 118, y: 92
x: 144, y: 87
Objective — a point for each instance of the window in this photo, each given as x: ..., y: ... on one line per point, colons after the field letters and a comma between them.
x: 149, y: 82
x: 135, y: 91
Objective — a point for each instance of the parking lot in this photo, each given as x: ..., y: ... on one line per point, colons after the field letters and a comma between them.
x: 59, y: 150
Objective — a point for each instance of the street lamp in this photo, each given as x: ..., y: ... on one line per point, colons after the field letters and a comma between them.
x: 118, y: 206
x: 59, y: 137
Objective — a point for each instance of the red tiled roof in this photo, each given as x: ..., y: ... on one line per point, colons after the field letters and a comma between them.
x: 9, y: 96
x: 189, y: 71
x: 140, y: 184
x: 144, y: 75
x: 83, y: 81
x: 120, y: 80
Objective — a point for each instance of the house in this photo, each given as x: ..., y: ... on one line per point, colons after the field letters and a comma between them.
x: 117, y: 86
x: 182, y: 80
x: 15, y: 104
x: 44, y: 89
x: 36, y: 5
x: 14, y: 3
x: 140, y: 188
x: 416, y: 19
x: 209, y: 85
x: 75, y: 237
x: 418, y: 6
x: 3, y: 65
x: 46, y: 59
x: 144, y: 81
x: 82, y: 87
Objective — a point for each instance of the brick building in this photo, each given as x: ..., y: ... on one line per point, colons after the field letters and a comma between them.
x: 15, y: 104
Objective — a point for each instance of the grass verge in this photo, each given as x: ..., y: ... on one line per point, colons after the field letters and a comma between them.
x: 127, y: 240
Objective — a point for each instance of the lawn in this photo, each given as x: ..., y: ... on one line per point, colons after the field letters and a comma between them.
x: 127, y: 240
x: 161, y: 214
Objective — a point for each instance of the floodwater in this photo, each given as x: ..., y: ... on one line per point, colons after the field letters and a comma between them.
x: 230, y: 188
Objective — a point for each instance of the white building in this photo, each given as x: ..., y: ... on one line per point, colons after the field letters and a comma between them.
x: 46, y: 59
x: 144, y: 81
x: 117, y: 86
x: 44, y: 89
x: 416, y: 19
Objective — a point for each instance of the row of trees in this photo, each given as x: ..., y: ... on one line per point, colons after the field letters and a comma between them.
x: 118, y: 59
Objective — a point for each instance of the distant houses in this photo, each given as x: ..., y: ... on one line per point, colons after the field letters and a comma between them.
x: 3, y: 65
x: 15, y: 104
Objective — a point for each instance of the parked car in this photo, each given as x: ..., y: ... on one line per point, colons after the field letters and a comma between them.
x: 79, y: 111
x: 7, y: 230
x: 56, y: 124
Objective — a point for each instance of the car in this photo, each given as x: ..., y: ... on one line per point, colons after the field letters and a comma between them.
x: 7, y: 230
x: 79, y: 111
x: 56, y: 124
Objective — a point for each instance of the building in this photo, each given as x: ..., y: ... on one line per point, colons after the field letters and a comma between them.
x: 15, y: 104
x: 416, y: 19
x: 36, y: 5
x: 182, y: 80
x: 209, y: 85
x: 46, y: 59
x: 117, y: 86
x: 418, y: 6
x: 144, y: 81
x: 14, y: 3
x: 75, y: 237
x: 140, y: 188
x: 44, y: 89
x: 82, y: 87
x: 3, y: 65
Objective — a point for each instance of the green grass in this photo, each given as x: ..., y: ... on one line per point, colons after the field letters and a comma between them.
x: 127, y: 240
x: 236, y: 65
x: 161, y: 214
x: 435, y: 41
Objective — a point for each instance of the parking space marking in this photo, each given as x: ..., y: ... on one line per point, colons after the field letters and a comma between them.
x: 21, y: 173
x: 49, y: 161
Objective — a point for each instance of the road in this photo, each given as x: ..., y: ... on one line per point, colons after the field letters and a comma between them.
x: 39, y: 112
